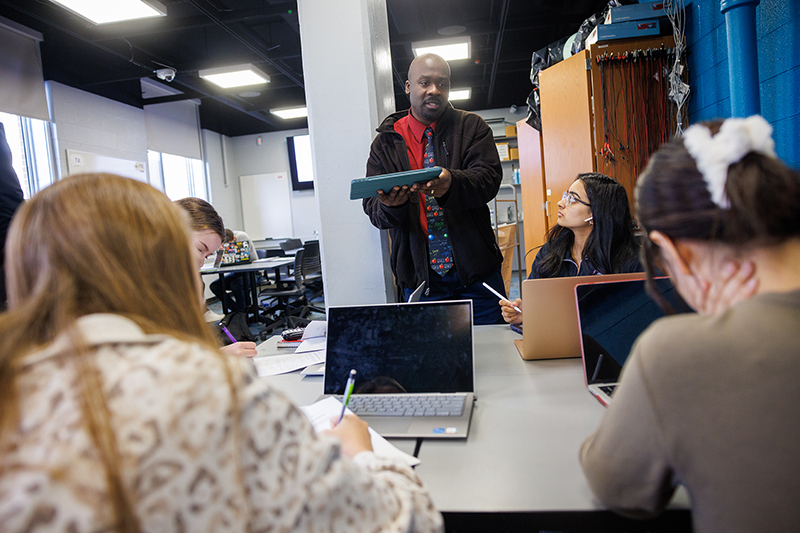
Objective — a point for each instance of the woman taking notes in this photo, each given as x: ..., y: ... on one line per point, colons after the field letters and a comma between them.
x: 208, y: 234
x: 594, y: 235
x: 120, y: 414
x: 711, y: 401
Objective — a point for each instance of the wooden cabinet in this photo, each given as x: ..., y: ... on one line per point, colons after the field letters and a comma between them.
x: 566, y: 94
x: 531, y: 169
x: 575, y: 126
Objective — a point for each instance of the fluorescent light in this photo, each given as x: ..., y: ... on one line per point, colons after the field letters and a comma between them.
x: 449, y: 49
x: 460, y: 94
x: 107, y: 11
x: 290, y: 112
x: 235, y: 76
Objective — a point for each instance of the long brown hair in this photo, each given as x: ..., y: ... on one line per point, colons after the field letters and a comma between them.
x: 93, y: 243
x: 672, y: 197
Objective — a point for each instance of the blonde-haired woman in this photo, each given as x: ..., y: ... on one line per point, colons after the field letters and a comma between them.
x: 118, y: 412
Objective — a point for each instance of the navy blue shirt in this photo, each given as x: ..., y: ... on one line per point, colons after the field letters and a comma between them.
x: 569, y: 267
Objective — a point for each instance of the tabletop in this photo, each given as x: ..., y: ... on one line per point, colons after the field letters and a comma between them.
x: 521, y: 455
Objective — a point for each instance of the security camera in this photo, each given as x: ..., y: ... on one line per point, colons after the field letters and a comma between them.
x: 166, y: 74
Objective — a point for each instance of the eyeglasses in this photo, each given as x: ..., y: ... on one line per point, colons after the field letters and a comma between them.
x: 570, y: 198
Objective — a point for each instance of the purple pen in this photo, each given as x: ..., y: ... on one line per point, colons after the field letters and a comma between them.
x: 228, y: 333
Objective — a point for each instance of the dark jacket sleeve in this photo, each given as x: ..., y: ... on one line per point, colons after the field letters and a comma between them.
x: 10, y: 190
x: 479, y: 174
x: 10, y: 199
x: 381, y: 216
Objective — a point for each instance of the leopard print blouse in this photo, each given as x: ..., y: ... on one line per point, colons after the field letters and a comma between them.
x: 184, y: 465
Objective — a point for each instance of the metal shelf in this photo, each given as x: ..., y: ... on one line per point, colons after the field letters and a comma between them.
x: 516, y: 244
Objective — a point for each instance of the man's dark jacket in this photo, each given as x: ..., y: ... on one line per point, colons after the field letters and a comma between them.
x: 10, y: 199
x: 463, y: 144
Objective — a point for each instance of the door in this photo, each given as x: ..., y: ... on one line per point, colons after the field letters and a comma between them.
x: 568, y: 139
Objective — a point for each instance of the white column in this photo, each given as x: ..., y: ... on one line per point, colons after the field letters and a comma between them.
x: 348, y: 79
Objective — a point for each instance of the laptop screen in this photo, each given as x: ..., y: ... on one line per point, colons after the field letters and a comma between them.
x: 396, y: 348
x: 612, y: 315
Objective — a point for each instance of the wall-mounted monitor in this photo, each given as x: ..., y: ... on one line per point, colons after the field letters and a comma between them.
x: 300, y: 162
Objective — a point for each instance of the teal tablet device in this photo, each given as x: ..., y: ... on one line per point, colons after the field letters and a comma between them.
x: 368, y: 187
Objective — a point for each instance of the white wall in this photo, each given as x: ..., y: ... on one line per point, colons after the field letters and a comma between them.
x: 91, y: 123
x: 247, y: 157
x: 223, y: 186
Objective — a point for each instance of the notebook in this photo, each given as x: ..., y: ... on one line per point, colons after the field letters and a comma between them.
x: 611, y: 315
x: 551, y: 323
x: 406, y: 355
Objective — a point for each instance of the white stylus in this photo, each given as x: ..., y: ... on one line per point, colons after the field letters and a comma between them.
x: 501, y: 296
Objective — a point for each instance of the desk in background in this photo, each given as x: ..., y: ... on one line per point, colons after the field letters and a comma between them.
x: 519, y: 468
x: 272, y: 263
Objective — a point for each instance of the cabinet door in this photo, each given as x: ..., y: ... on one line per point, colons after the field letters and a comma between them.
x: 565, y: 94
x: 531, y: 173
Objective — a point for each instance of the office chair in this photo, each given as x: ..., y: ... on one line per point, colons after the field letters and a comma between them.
x: 290, y: 297
x: 289, y: 245
x: 312, y: 272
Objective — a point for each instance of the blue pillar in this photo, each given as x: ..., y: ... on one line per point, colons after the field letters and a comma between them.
x: 740, y: 21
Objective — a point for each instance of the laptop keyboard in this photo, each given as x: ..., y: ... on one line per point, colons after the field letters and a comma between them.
x: 608, y: 389
x: 407, y: 405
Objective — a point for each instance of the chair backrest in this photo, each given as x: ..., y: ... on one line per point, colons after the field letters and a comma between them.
x: 506, y: 235
x: 299, y: 274
x: 312, y: 262
x: 291, y: 244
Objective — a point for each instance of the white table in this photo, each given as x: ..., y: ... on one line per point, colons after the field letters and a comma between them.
x: 519, y: 467
x: 270, y: 263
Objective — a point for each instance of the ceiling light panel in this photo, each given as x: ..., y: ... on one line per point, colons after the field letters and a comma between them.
x: 290, y: 112
x: 235, y: 76
x: 108, y: 11
x: 460, y: 94
x: 449, y: 49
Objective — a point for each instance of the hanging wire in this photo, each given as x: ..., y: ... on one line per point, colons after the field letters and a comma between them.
x: 678, y: 89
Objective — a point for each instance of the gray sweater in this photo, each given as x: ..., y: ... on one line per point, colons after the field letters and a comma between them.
x: 713, y: 403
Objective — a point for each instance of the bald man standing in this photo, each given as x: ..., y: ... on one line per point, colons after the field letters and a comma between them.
x: 441, y: 230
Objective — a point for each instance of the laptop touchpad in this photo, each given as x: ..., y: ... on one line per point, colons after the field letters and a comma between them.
x: 388, y: 425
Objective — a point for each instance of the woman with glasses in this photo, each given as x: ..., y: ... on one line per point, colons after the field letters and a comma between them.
x: 595, y: 234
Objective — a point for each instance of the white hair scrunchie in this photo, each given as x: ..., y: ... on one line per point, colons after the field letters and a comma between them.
x: 714, y: 154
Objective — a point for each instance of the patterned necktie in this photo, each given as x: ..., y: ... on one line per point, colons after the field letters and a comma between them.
x: 439, y: 251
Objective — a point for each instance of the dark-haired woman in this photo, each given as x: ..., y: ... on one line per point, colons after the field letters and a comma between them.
x: 595, y: 234
x: 711, y: 400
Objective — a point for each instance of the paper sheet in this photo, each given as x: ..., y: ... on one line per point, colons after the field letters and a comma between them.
x: 315, y: 328
x: 321, y: 412
x: 314, y: 370
x: 311, y: 345
x: 280, y: 364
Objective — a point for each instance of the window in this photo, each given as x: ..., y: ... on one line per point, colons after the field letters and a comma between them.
x: 30, y: 143
x: 177, y: 176
x: 300, y: 162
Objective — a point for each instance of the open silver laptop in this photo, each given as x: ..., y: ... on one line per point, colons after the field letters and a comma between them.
x: 414, y: 362
x: 611, y: 315
x: 551, y: 323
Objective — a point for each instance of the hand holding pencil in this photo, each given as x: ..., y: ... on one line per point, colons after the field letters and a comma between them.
x: 512, y: 311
